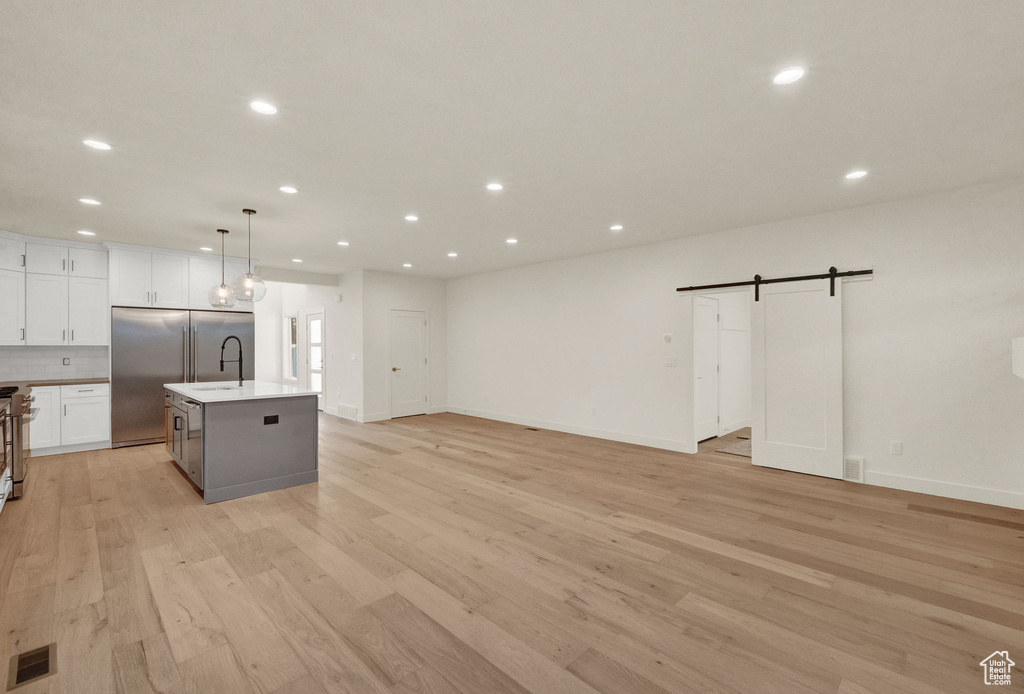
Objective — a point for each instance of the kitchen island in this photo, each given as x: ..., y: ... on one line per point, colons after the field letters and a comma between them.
x: 233, y: 441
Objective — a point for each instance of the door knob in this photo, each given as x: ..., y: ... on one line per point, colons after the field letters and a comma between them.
x: 396, y: 368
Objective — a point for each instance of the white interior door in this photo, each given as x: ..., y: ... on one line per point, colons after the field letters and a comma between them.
x: 705, y: 367
x: 408, y: 374
x: 316, y: 345
x: 797, y: 378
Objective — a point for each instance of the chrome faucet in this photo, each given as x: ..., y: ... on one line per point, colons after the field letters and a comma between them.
x: 232, y: 361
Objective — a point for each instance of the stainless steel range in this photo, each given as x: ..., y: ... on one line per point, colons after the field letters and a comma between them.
x: 15, y: 413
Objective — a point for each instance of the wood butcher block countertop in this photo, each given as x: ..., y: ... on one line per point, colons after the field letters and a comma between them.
x: 55, y: 382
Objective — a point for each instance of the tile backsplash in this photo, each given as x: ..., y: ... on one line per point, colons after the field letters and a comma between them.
x: 47, y: 363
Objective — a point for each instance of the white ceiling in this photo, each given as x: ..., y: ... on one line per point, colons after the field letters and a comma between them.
x: 658, y: 115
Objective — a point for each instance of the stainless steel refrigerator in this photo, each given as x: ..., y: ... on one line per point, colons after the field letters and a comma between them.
x: 150, y: 347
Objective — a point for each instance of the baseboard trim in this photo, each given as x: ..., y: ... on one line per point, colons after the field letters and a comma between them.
x: 983, y: 495
x: 74, y: 448
x: 620, y: 436
x: 375, y: 417
x: 734, y: 426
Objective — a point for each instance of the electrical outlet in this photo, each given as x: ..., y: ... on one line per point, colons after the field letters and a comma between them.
x: 67, y: 361
x: 896, y: 448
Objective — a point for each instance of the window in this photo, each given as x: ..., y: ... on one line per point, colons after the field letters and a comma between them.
x: 291, y: 348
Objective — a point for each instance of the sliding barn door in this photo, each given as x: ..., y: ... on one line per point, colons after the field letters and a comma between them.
x: 797, y: 378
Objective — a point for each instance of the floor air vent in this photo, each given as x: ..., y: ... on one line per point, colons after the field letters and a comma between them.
x: 30, y: 666
x: 853, y: 469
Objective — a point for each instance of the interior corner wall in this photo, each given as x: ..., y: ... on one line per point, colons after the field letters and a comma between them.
x: 343, y: 322
x: 577, y: 345
x: 382, y: 292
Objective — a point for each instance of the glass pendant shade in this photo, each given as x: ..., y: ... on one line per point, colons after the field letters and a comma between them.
x: 221, y: 296
x: 249, y: 287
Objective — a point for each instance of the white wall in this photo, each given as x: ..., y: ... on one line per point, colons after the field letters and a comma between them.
x: 577, y: 345
x: 382, y: 292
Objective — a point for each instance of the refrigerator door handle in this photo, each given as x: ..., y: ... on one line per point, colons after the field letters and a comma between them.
x: 195, y: 354
x: 184, y: 354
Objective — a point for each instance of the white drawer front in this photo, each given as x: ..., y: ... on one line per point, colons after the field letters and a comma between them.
x: 89, y: 390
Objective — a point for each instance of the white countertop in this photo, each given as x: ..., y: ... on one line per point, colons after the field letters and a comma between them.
x: 229, y: 391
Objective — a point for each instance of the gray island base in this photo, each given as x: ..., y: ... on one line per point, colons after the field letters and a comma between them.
x: 236, y: 441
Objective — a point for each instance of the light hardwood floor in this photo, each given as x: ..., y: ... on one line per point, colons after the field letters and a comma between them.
x: 453, y: 554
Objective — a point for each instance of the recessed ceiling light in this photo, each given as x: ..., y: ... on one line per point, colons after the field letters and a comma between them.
x: 96, y: 144
x: 263, y: 107
x: 789, y: 75
x: 494, y: 186
x: 511, y: 241
x: 616, y: 227
x: 411, y: 218
x: 453, y: 255
x: 291, y: 190
x: 406, y: 264
x: 296, y: 260
x: 859, y: 173
x: 84, y: 232
x: 204, y: 248
x: 342, y: 243
x: 88, y: 201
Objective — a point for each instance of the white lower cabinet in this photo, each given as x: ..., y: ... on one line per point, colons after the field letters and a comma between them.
x: 69, y: 416
x: 84, y: 420
x: 44, y: 429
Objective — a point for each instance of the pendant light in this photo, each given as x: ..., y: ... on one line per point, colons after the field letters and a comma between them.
x: 249, y: 287
x: 221, y: 296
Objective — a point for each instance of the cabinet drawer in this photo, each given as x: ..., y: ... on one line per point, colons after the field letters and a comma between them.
x: 90, y: 390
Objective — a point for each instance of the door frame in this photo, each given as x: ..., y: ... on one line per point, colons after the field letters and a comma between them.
x: 718, y: 361
x: 426, y: 355
x: 306, y: 315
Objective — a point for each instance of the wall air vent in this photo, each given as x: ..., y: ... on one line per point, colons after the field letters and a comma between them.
x: 853, y: 469
x: 31, y: 666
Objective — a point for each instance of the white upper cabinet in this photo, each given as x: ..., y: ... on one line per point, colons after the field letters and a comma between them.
x: 12, y: 254
x: 12, y: 307
x: 85, y: 262
x: 205, y: 274
x: 46, y: 309
x: 170, y: 281
x: 88, y: 311
x: 46, y: 259
x: 138, y: 278
x: 131, y: 278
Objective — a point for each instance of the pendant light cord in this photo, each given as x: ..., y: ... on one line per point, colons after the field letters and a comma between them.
x: 250, y: 242
x: 222, y: 258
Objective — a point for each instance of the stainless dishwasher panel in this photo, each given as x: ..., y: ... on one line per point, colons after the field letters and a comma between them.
x: 192, y: 444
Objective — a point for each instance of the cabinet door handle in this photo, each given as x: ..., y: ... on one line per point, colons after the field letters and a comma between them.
x: 72, y: 266
x: 147, y: 297
x: 23, y: 260
x: 63, y: 265
x: 65, y: 410
x: 63, y: 335
x: 154, y: 297
x: 23, y: 333
x: 72, y: 334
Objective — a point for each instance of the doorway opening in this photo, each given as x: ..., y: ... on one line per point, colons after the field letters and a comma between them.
x: 722, y: 369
